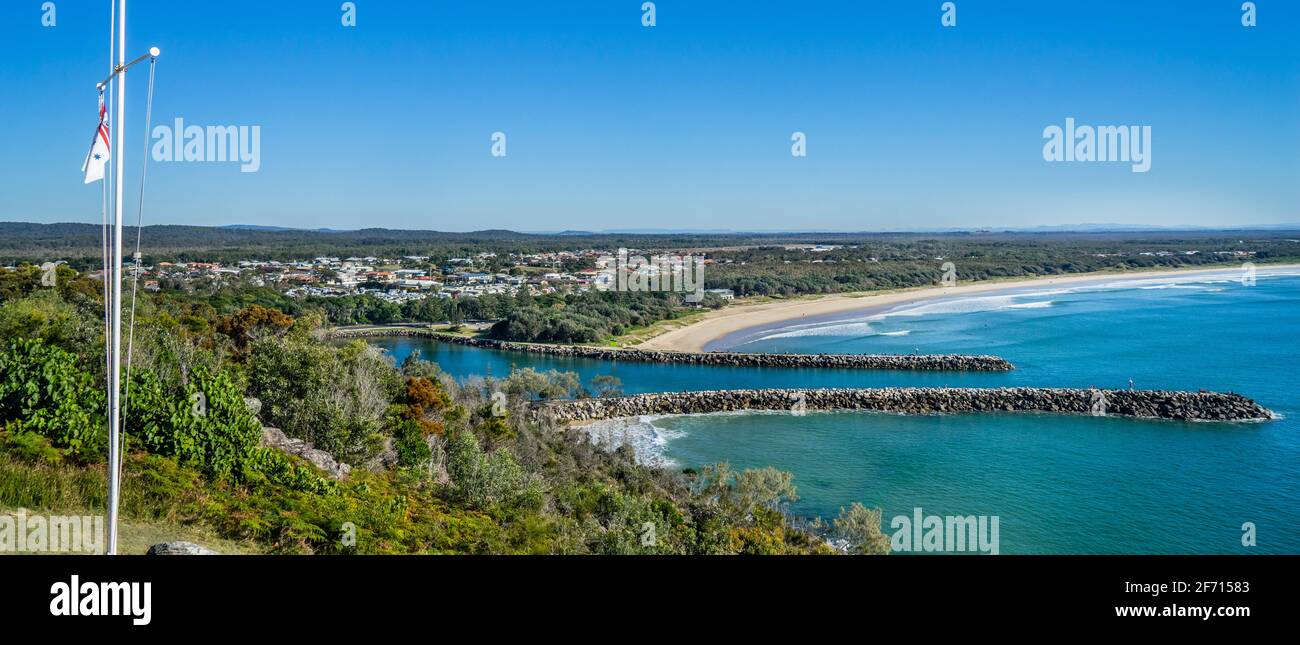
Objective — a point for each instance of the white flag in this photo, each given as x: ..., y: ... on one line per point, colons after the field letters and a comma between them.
x: 98, y: 155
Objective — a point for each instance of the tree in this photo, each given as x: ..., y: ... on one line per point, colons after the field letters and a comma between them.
x: 334, y: 397
x: 606, y: 385
x: 48, y: 316
x: 253, y: 322
x: 488, y: 481
x: 528, y: 383
x: 424, y: 399
x: 860, y: 527
x: 765, y: 488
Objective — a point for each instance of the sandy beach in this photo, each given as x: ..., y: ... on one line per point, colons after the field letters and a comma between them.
x: 724, y: 322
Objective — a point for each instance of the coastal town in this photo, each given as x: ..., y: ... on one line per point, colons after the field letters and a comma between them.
x: 406, y: 278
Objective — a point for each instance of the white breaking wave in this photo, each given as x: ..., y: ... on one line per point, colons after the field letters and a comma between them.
x: 850, y: 328
x: 648, y: 441
x: 856, y: 328
x: 866, y: 326
x: 968, y: 306
x: 1197, y: 287
x: 957, y: 306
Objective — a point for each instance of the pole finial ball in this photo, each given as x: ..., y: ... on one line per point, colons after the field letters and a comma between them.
x: 154, y: 51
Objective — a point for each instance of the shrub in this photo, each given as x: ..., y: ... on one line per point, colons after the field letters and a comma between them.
x: 336, y: 398
x: 860, y: 526
x: 411, y: 443
x: 488, y: 481
x: 205, y: 423
x: 43, y: 391
x: 253, y: 322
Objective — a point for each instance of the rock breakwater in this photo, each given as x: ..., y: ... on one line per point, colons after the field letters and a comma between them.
x: 1158, y: 404
x: 919, y: 362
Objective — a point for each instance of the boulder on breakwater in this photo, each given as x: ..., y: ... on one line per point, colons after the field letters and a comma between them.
x: 1158, y: 404
x: 921, y: 362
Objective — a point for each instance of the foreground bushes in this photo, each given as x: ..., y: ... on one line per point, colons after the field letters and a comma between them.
x: 202, y: 423
x: 336, y: 398
x: 386, y: 515
x: 44, y: 392
x: 458, y: 468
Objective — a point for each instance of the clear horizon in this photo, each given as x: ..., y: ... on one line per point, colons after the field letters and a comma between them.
x: 614, y: 126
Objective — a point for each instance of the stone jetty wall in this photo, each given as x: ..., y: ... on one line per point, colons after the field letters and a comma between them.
x: 922, y: 362
x: 1207, y: 406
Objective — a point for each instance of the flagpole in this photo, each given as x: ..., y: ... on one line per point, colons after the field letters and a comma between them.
x: 115, y: 371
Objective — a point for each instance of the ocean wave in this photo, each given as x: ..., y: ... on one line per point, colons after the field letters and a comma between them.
x: 1178, y: 286
x: 970, y: 305
x: 1213, y: 281
x: 857, y: 328
x: 849, y: 328
x: 648, y: 441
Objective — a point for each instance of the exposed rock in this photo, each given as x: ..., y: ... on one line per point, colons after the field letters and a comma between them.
x: 385, y: 459
x: 179, y: 548
x: 1198, y: 406
x: 253, y: 404
x: 922, y: 362
x: 276, y: 438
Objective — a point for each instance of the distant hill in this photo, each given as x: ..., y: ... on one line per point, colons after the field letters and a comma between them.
x: 80, y: 243
x: 259, y: 227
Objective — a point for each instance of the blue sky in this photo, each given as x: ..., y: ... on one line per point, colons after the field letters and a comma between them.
x: 612, y: 125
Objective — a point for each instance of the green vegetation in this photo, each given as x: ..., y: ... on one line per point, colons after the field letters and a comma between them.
x: 586, y: 318
x: 438, y: 466
x: 751, y: 265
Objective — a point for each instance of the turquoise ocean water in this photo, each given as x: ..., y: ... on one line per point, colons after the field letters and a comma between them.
x: 1058, y: 484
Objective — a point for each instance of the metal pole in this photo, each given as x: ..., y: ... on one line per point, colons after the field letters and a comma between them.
x: 115, y: 374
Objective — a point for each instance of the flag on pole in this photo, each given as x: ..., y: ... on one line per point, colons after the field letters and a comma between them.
x: 98, y: 156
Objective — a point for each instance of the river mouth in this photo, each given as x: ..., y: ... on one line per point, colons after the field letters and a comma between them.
x: 1138, y: 486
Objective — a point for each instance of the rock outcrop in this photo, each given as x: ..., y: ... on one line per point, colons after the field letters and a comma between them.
x: 1158, y: 404
x: 920, y: 362
x: 179, y: 548
x: 276, y: 438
